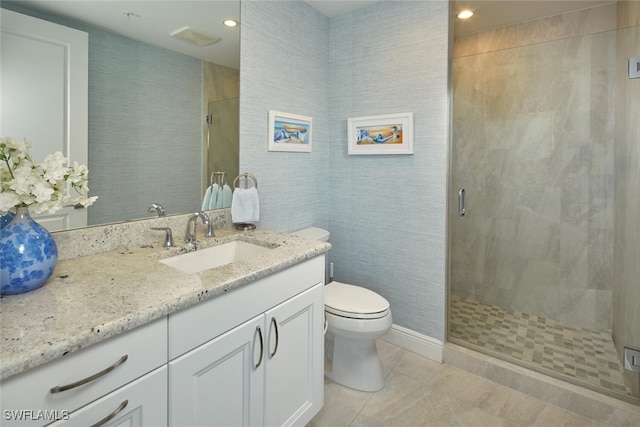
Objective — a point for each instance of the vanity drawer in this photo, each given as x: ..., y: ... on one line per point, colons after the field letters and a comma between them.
x: 140, y: 403
x: 122, y: 359
x: 200, y: 323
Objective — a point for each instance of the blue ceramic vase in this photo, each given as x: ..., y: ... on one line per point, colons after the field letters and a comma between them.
x: 28, y: 254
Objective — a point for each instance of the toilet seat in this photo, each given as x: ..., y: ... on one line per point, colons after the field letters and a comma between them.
x: 354, y: 302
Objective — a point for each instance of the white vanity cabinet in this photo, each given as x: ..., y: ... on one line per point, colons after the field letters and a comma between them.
x: 266, y: 371
x: 252, y: 356
x: 58, y: 389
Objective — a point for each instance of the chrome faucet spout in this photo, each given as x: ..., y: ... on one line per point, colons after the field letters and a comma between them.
x: 190, y: 233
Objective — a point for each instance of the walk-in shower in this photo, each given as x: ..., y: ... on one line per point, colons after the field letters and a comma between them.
x: 544, y: 158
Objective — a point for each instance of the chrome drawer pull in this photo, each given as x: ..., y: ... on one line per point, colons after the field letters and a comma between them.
x: 259, y: 332
x: 60, y: 388
x: 111, y: 415
x: 275, y: 325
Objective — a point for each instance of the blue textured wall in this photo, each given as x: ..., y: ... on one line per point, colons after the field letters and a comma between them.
x: 284, y: 67
x: 386, y: 214
x: 145, y: 121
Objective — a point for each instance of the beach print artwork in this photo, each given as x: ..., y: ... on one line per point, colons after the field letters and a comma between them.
x: 289, y: 132
x: 387, y: 134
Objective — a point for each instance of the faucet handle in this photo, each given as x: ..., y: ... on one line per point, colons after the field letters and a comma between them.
x: 157, y: 208
x: 168, y: 240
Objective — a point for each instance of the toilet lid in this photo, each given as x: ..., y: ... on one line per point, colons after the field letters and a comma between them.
x: 352, y: 301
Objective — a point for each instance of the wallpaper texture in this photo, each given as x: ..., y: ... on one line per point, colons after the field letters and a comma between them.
x: 386, y: 214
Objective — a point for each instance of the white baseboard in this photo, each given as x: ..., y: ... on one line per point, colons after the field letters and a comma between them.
x: 423, y: 345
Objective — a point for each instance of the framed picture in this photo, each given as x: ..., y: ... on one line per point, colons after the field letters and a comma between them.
x: 388, y: 134
x: 289, y: 132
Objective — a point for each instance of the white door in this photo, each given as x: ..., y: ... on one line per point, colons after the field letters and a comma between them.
x: 295, y: 361
x: 221, y: 382
x: 44, y: 91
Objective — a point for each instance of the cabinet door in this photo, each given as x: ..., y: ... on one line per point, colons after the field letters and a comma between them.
x: 140, y: 403
x: 221, y: 382
x: 295, y: 360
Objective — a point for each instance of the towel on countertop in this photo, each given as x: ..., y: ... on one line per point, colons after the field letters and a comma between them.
x: 213, y: 201
x: 219, y: 199
x: 245, y: 205
x: 226, y: 196
x: 207, y: 199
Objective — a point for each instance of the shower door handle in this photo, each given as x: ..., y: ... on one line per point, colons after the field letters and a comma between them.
x: 461, y: 209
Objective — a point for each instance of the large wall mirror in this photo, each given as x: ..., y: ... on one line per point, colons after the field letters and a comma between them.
x: 163, y: 111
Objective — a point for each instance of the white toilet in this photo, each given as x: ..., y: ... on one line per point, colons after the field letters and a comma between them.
x: 355, y: 318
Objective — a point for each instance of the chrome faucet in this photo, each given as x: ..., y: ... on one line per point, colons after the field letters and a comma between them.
x: 190, y: 234
x: 156, y: 208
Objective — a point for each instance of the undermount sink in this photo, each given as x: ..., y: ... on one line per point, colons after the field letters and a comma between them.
x: 215, y: 256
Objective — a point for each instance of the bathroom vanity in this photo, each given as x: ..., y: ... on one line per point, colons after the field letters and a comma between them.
x: 120, y: 335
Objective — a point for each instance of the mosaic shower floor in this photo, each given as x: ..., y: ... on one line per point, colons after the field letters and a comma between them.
x: 579, y: 356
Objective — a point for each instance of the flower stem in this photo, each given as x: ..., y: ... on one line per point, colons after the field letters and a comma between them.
x: 6, y: 160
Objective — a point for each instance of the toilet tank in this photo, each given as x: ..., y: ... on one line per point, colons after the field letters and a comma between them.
x: 313, y: 233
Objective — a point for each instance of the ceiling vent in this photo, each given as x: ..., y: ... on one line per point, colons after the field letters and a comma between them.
x: 193, y: 36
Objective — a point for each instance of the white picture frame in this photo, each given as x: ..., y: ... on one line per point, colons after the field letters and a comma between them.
x: 385, y: 134
x: 289, y: 132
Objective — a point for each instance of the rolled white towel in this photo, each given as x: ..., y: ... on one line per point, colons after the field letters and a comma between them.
x: 245, y: 205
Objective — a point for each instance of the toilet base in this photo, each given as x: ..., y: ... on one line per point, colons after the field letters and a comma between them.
x: 354, y: 363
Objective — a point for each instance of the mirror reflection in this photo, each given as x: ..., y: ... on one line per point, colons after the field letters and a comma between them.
x: 161, y: 121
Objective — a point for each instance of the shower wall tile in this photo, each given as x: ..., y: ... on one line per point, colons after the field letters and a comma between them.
x: 586, y: 21
x: 574, y: 255
x: 533, y: 148
x: 628, y: 13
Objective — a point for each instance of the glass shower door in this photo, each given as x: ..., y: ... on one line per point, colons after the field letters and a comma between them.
x: 531, y: 260
x: 223, y: 138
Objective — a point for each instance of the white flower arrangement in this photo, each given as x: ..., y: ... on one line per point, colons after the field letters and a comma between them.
x: 40, y: 187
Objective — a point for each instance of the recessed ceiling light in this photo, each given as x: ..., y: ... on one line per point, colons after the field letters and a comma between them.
x: 230, y: 22
x: 465, y: 14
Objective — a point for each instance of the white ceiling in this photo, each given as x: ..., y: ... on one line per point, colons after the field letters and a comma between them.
x: 152, y: 22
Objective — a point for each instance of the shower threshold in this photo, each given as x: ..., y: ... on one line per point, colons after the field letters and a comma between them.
x: 579, y: 356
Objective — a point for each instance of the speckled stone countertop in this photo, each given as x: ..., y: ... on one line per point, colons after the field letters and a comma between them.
x: 91, y: 298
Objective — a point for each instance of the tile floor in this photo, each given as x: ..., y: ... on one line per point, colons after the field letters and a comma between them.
x: 421, y: 392
x: 583, y: 357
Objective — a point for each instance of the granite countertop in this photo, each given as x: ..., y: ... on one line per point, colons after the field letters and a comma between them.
x: 89, y: 299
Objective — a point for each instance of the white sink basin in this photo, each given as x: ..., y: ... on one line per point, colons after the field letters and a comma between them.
x: 215, y: 256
